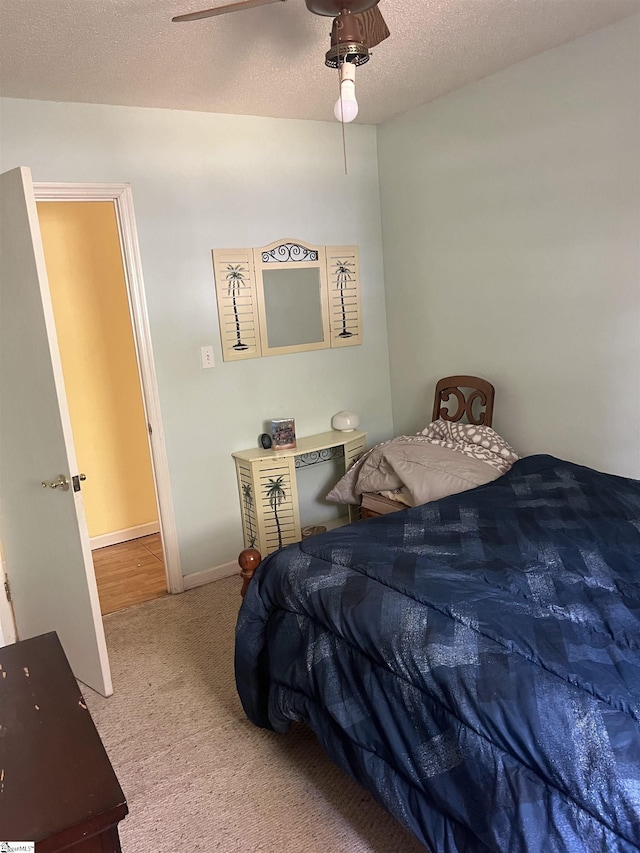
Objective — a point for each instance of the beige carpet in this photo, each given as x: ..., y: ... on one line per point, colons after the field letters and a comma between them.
x: 197, y: 775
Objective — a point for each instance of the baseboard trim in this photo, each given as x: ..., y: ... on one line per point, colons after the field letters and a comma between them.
x: 124, y: 535
x: 226, y: 570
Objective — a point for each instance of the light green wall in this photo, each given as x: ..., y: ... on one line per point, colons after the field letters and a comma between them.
x: 511, y: 216
x: 201, y: 181
x: 511, y: 233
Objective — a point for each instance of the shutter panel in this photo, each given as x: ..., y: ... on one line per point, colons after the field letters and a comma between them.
x: 277, y: 496
x: 343, y: 275
x: 237, y: 304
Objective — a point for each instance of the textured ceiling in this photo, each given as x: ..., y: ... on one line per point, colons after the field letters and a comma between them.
x: 270, y: 61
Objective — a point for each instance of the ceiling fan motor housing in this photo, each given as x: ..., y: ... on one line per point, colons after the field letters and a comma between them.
x: 347, y: 42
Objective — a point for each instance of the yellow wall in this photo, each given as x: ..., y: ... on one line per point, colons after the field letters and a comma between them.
x: 88, y: 289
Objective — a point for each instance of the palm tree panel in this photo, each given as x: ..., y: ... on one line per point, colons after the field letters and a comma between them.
x: 237, y: 310
x: 275, y: 494
x: 344, y: 295
x: 249, y: 514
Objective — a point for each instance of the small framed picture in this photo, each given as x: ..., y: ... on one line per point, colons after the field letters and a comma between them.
x: 283, y: 433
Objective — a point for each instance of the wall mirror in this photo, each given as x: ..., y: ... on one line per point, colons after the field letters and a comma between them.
x: 287, y: 297
x: 293, y: 308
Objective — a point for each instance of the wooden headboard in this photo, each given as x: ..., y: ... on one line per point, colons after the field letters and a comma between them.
x: 471, y: 393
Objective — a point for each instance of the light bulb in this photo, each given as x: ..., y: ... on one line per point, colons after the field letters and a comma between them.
x: 346, y: 108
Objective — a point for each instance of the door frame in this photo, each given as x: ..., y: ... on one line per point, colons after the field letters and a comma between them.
x: 122, y: 197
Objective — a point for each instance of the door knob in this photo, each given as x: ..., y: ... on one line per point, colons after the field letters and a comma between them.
x: 60, y: 482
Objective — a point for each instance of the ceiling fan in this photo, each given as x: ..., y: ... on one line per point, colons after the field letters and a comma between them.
x: 358, y: 26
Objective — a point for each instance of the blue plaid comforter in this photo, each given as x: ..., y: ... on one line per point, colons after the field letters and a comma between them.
x: 473, y: 662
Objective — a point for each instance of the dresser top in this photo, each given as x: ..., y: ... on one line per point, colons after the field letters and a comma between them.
x: 308, y: 444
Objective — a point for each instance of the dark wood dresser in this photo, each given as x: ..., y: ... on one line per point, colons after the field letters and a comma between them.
x: 57, y: 785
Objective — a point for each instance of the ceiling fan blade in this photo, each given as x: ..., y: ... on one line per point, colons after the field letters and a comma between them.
x: 222, y: 10
x: 373, y: 26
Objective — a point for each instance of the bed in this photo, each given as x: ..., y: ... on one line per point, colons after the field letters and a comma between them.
x: 473, y: 662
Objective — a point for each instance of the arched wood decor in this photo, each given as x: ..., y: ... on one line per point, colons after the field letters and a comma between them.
x: 479, y: 394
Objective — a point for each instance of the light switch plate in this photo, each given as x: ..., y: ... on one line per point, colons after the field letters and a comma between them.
x: 207, y: 356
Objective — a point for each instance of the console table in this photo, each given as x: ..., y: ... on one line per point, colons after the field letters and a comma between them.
x: 57, y: 786
x: 268, y: 489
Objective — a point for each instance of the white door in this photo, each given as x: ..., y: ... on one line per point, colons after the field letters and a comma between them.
x: 43, y: 530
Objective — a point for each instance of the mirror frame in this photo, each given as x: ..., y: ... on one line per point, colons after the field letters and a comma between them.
x: 241, y: 301
x: 291, y: 255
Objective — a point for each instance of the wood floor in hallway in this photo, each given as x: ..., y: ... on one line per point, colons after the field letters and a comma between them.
x: 130, y: 573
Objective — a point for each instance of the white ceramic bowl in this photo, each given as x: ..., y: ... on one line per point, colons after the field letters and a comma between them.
x: 345, y: 421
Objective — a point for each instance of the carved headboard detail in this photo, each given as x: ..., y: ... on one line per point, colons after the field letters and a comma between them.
x: 473, y: 398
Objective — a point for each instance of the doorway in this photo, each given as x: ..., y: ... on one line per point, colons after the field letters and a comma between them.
x: 91, y: 309
x: 102, y: 330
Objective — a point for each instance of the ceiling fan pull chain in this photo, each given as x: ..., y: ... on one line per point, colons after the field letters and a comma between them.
x: 344, y: 138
